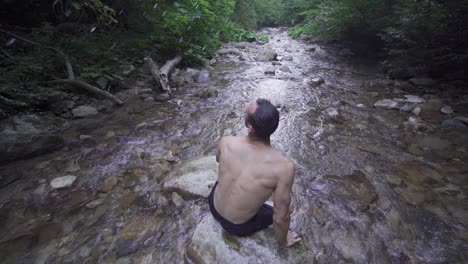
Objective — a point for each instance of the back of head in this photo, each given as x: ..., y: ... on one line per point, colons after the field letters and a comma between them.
x: 265, y: 120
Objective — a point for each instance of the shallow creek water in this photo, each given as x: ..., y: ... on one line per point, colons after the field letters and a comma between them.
x: 361, y: 193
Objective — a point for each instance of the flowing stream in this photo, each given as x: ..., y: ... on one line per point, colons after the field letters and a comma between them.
x: 361, y: 193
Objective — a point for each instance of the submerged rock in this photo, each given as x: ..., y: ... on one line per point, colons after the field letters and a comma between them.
x: 408, y: 108
x: 195, y: 177
x: 266, y: 55
x: 446, y: 110
x: 387, y: 104
x: 211, y: 244
x: 63, y: 182
x: 203, y: 76
x: 454, y: 123
x: 335, y: 116
x: 285, y: 69
x: 414, y: 99
x: 177, y: 199
x: 416, y: 111
x: 316, y: 82
x: 84, y: 111
x: 355, y: 190
x: 422, y: 81
x: 270, y: 70
x: 162, y: 97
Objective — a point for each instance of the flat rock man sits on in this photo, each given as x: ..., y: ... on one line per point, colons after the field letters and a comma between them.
x: 250, y: 171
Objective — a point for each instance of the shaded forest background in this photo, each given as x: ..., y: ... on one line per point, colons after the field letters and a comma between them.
x: 101, y: 38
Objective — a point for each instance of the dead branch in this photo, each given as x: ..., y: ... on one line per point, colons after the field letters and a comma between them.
x: 72, y: 80
x: 90, y: 88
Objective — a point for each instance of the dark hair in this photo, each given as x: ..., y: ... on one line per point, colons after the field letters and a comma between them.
x: 265, y: 119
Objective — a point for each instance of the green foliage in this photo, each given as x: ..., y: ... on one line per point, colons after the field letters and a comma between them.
x: 237, y: 33
x: 296, y: 31
x: 245, y: 14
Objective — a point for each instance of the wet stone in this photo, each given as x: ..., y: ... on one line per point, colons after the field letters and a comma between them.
x: 109, y: 183
x: 177, y: 199
x: 270, y: 70
x: 287, y: 58
x: 446, y: 110
x: 266, y: 55
x: 354, y: 190
x: 162, y: 97
x: 195, y: 177
x: 407, y: 108
x: 285, y: 69
x: 316, y: 82
x: 453, y: 123
x: 127, y: 199
x: 387, y: 104
x: 63, y: 182
x: 414, y: 99
x: 84, y: 111
x: 127, y: 247
x: 422, y: 81
x: 95, y: 203
x: 210, y: 244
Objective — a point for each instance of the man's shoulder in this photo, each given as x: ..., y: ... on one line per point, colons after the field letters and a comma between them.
x: 229, y: 140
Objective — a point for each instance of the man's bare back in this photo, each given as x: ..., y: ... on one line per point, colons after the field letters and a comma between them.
x: 250, y: 172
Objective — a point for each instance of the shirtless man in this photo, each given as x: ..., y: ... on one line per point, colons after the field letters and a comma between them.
x: 250, y: 171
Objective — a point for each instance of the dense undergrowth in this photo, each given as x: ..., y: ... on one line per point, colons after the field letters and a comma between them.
x: 101, y: 37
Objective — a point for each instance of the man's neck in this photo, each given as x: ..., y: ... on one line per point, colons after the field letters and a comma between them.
x: 254, y: 139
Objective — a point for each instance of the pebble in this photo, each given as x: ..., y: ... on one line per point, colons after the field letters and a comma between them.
x: 416, y: 111
x: 446, y: 110
x: 95, y: 203
x: 63, y: 182
x: 386, y: 103
x: 177, y: 199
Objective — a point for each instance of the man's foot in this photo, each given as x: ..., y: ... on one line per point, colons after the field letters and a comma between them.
x: 292, y: 238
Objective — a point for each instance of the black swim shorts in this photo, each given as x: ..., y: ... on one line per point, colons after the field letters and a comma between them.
x: 261, y: 220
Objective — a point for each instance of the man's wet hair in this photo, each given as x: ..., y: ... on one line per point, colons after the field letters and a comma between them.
x: 265, y: 119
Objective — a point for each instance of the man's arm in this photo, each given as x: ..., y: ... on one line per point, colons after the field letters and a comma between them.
x: 282, y: 201
x: 218, y: 150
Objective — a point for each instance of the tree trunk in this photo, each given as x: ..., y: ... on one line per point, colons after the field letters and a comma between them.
x: 166, y: 70
x: 153, y: 68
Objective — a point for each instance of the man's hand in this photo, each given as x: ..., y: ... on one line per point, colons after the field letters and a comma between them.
x: 292, y: 238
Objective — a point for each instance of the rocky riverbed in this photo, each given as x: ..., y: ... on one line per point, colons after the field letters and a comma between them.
x: 381, y: 165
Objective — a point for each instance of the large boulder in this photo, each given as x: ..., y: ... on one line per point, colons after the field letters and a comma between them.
x: 211, y: 244
x: 266, y: 55
x: 194, y: 177
x: 29, y: 136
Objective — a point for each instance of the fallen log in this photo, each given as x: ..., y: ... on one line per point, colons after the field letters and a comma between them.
x: 90, y: 88
x: 72, y: 80
x: 166, y: 70
x: 153, y: 68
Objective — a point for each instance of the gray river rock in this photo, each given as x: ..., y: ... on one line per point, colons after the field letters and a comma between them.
x: 195, y: 177
x: 211, y: 244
